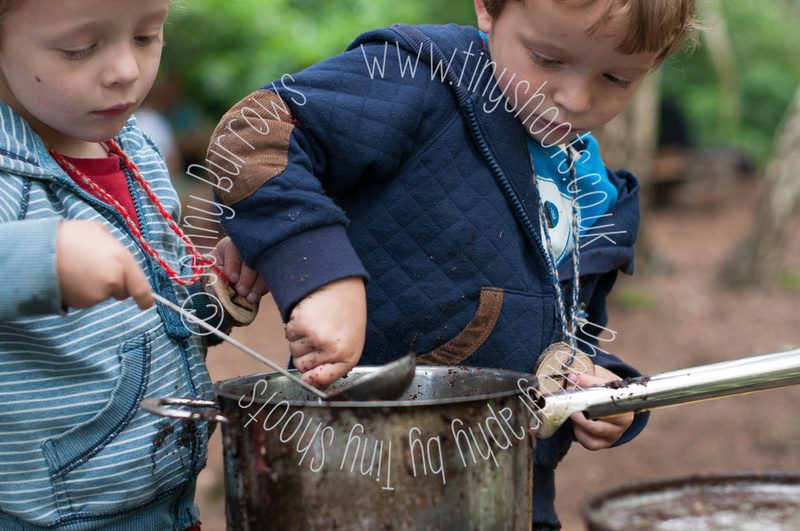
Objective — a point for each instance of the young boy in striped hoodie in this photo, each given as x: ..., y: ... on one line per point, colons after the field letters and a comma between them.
x: 86, y: 214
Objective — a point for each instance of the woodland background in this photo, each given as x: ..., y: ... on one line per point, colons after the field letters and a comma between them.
x: 715, y: 139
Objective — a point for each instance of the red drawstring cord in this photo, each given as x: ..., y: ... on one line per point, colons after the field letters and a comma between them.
x: 199, y: 262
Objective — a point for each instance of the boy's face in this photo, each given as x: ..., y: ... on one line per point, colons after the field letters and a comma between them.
x: 586, y: 81
x: 77, y: 69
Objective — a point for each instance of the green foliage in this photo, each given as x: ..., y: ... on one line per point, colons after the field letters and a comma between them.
x: 766, y: 44
x: 632, y: 298
x: 791, y: 280
x: 225, y: 50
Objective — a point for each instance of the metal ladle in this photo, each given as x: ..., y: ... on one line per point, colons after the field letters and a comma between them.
x: 386, y: 383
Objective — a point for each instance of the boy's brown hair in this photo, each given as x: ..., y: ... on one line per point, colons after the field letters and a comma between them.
x: 662, y: 26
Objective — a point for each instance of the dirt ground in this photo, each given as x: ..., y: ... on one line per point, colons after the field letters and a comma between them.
x: 677, y: 317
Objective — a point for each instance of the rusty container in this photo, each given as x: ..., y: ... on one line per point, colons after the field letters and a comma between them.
x: 453, y: 453
x: 700, y: 503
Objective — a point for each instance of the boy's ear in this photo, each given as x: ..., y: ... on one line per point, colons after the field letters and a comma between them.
x: 484, y: 18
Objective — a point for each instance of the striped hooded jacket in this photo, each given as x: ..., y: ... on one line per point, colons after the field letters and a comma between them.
x: 76, y: 451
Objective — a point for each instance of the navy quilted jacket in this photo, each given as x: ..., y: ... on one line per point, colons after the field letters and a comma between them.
x: 421, y: 181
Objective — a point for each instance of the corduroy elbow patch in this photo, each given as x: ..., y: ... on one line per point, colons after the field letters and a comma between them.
x: 250, y: 145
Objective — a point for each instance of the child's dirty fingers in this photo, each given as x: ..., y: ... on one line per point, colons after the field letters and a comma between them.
x: 327, y: 373
x: 582, y: 380
x: 295, y: 329
x: 229, y: 258
x: 589, y: 433
x: 592, y: 428
x: 599, y: 434
x: 290, y: 330
x: 259, y: 290
x: 313, y: 360
x: 247, y: 279
x: 300, y: 347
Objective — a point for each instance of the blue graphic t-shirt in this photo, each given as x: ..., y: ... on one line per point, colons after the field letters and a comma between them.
x: 562, y: 172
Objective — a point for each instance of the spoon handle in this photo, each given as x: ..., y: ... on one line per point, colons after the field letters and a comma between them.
x: 244, y: 348
x: 727, y: 378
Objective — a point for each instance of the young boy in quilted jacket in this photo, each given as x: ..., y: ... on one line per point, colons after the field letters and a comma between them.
x: 436, y: 189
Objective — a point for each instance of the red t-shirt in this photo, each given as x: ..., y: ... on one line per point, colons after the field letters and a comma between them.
x: 107, y: 173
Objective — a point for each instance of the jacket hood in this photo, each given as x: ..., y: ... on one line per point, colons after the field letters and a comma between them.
x: 450, y: 39
x: 24, y: 153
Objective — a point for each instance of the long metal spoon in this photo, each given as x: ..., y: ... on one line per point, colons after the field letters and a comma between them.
x: 387, y: 383
x: 695, y: 384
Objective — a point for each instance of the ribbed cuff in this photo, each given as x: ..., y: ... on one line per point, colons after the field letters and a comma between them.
x: 301, y: 264
x: 639, y: 422
x: 29, y: 261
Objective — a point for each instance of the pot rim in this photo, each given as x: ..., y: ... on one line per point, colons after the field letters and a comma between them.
x: 590, y: 506
x: 392, y: 404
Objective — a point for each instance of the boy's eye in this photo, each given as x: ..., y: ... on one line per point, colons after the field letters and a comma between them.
x: 617, y: 81
x: 144, y: 40
x: 544, y: 61
x: 75, y: 55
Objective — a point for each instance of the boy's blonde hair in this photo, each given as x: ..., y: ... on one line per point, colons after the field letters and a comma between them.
x: 662, y: 26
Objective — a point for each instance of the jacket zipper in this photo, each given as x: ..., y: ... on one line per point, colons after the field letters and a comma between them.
x: 505, y: 184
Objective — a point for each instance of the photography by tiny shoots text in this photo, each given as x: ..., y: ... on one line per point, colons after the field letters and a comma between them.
x: 474, y: 442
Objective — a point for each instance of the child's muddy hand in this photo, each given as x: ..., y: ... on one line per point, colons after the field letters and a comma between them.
x: 245, y: 281
x: 326, y: 331
x: 93, y: 266
x: 597, y: 434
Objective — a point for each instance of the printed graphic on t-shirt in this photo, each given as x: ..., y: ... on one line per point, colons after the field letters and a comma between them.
x: 561, y: 173
x: 558, y: 216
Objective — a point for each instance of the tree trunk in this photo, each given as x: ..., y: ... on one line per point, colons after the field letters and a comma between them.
x: 629, y: 140
x: 720, y: 49
x: 759, y: 258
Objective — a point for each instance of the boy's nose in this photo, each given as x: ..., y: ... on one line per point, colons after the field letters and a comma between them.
x: 574, y: 98
x: 122, y: 69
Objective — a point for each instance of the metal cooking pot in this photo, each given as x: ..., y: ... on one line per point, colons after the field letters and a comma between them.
x: 453, y: 453
x: 703, y: 503
x: 443, y: 456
